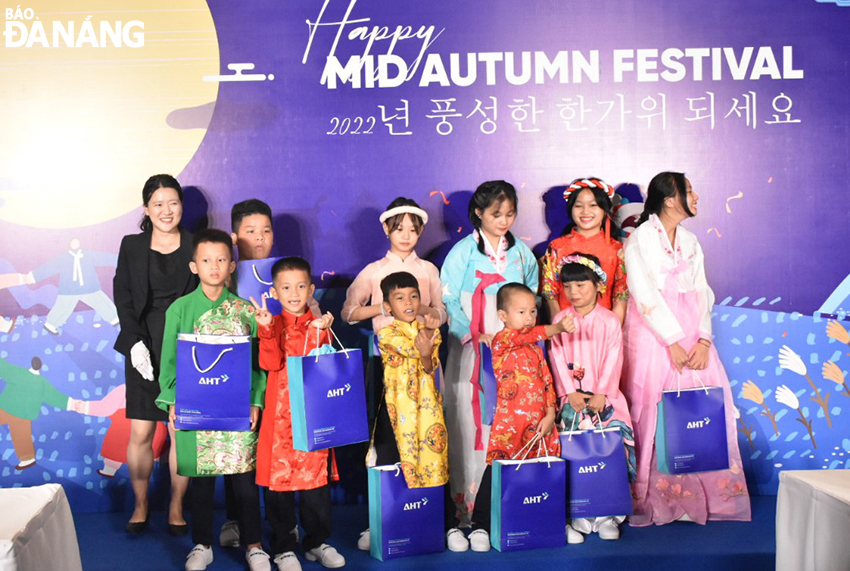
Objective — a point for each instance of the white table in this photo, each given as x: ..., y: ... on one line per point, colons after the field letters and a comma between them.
x: 813, y: 521
x: 37, y: 530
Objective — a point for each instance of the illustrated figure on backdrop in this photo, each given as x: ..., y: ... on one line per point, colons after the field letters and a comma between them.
x: 25, y: 391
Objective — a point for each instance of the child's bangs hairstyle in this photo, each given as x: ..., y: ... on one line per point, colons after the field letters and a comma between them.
x: 212, y: 236
x: 153, y: 184
x: 393, y: 223
x: 602, y: 199
x: 292, y: 263
x: 507, y: 291
x: 575, y: 272
x: 398, y: 280
x: 662, y: 186
x: 246, y: 208
x: 487, y: 194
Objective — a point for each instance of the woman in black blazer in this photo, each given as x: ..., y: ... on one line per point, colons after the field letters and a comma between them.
x: 153, y: 271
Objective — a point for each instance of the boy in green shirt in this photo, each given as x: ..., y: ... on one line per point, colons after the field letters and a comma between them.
x: 213, y: 310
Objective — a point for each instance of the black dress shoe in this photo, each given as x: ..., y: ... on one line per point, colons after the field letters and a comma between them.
x: 178, y: 530
x: 137, y: 527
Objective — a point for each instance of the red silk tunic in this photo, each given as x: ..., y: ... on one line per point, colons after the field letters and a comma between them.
x: 279, y: 466
x: 525, y: 392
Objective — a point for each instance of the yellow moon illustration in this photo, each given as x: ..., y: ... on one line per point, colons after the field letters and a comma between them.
x: 85, y: 126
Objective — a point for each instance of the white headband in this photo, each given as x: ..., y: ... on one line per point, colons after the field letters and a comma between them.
x: 405, y: 210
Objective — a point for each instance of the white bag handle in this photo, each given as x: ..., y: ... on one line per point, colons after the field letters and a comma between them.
x: 217, y: 359
x: 695, y: 375
x: 257, y: 275
x: 333, y: 337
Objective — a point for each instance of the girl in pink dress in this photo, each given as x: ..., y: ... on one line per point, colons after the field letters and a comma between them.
x: 586, y: 365
x: 668, y: 333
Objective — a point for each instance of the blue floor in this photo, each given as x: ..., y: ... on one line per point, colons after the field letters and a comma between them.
x: 723, y: 546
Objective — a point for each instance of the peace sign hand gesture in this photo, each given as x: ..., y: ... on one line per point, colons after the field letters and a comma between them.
x: 261, y: 313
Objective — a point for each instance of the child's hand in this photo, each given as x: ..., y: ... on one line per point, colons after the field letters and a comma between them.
x: 567, y: 325
x: 261, y: 312
x: 324, y: 322
x: 430, y: 321
x: 596, y: 403
x: 485, y: 338
x: 547, y: 423
x: 698, y: 357
x: 172, y: 417
x: 678, y: 356
x: 255, y: 417
x: 577, y: 400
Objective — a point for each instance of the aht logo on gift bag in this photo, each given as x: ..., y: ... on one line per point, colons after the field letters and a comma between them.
x: 416, y: 505
x: 592, y: 468
x: 213, y: 380
x: 536, y: 499
x: 340, y: 391
x: 699, y: 423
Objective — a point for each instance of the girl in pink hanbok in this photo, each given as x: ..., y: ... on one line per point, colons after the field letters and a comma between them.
x: 668, y: 334
x: 587, y: 365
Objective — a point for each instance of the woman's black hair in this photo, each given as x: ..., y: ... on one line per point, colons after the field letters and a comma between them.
x: 662, y: 186
x: 604, y: 203
x: 153, y: 184
x: 395, y: 221
x: 574, y: 272
x: 487, y: 194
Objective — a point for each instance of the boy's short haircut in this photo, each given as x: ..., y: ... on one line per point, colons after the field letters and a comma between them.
x: 292, y: 263
x: 508, y: 290
x: 214, y: 236
x: 246, y: 208
x: 398, y: 280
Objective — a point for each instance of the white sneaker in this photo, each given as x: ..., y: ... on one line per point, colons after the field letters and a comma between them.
x: 287, y: 562
x: 582, y: 525
x: 229, y: 536
x: 457, y: 541
x: 573, y: 536
x: 364, y: 542
x: 608, y: 529
x: 199, y: 558
x: 479, y: 540
x: 326, y: 555
x: 258, y: 560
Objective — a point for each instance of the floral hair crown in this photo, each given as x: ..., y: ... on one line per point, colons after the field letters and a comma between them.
x: 587, y: 262
x: 582, y: 183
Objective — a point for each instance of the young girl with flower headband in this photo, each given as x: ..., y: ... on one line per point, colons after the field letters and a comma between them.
x: 403, y: 222
x: 586, y: 365
x: 668, y: 333
x: 591, y: 229
x: 472, y: 274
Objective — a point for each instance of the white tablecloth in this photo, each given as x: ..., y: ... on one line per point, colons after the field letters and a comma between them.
x: 37, y: 530
x: 813, y: 521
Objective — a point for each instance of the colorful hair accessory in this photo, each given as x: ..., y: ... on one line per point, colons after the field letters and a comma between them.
x: 582, y: 183
x: 404, y: 210
x: 587, y: 262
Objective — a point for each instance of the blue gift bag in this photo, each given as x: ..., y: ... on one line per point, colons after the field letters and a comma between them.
x: 489, y: 385
x: 529, y: 505
x: 597, y: 475
x: 327, y: 396
x: 403, y: 521
x: 254, y: 279
x: 690, y: 434
x: 213, y: 389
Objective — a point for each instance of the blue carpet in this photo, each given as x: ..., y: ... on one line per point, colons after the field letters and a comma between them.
x: 723, y: 546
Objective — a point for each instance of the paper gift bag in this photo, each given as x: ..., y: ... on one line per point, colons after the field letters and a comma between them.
x: 213, y: 389
x: 597, y: 474
x: 528, y: 506
x: 327, y: 396
x: 254, y: 279
x: 690, y: 434
x: 404, y: 521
